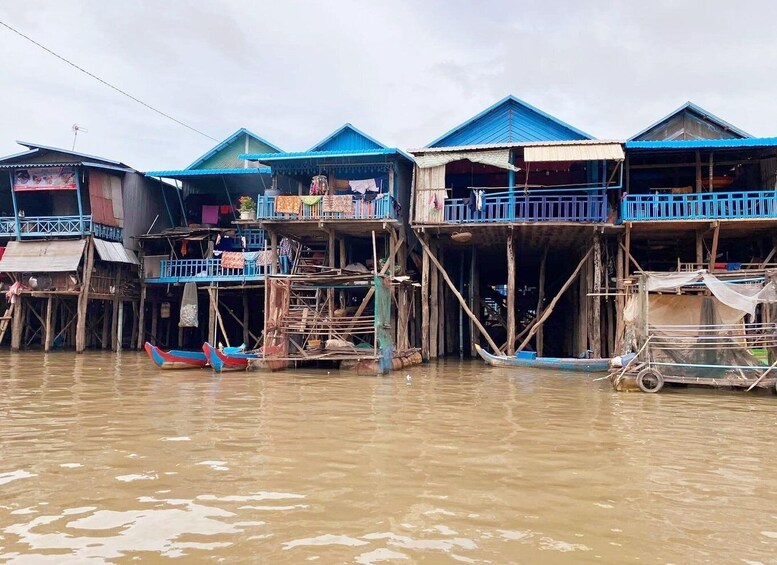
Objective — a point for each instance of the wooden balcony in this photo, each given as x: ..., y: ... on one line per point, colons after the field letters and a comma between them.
x: 699, y: 206
x: 56, y: 226
x: 510, y: 208
x: 205, y: 270
x: 378, y: 209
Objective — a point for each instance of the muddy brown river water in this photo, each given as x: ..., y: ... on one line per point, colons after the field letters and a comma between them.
x: 104, y: 458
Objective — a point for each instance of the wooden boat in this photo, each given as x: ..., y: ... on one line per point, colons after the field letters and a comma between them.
x: 226, y: 359
x: 553, y: 363
x: 176, y: 359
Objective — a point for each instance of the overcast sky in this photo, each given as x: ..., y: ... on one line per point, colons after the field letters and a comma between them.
x: 404, y: 72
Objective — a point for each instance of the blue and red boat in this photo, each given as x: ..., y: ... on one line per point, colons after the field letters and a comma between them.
x: 176, y: 359
x: 226, y: 359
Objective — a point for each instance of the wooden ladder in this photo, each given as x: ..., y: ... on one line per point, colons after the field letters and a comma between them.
x: 5, y: 320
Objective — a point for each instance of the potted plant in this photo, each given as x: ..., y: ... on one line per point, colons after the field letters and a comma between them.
x: 247, y: 208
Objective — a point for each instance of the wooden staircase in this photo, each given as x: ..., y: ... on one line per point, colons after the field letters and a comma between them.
x: 311, y: 258
x: 5, y: 321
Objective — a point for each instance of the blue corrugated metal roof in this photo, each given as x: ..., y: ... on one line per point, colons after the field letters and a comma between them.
x: 229, y: 140
x: 347, y: 138
x: 269, y: 157
x: 209, y: 172
x: 703, y: 143
x: 509, y: 120
x: 709, y: 116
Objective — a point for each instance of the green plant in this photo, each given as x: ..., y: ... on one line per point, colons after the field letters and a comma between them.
x: 247, y: 204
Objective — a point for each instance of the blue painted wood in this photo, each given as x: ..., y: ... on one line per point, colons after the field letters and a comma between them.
x: 552, y: 363
x: 378, y: 209
x: 205, y: 270
x: 57, y: 226
x: 347, y: 138
x: 505, y: 208
x: 699, y: 206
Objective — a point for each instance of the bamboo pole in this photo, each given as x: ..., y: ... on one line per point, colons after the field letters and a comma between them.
x: 549, y: 310
x: 714, y: 250
x: 425, y: 347
x: 142, y: 318
x: 434, y: 306
x: 428, y: 254
x: 49, y: 331
x: 214, y: 298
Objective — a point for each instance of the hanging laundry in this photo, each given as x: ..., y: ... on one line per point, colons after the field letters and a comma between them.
x: 210, y: 215
x: 472, y: 201
x: 338, y: 204
x: 362, y: 186
x: 233, y: 260
x: 184, y: 248
x: 479, y: 199
x: 286, y: 204
x: 225, y: 209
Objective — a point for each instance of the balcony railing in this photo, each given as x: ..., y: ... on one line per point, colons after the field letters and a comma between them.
x: 699, y: 206
x: 378, y: 209
x: 205, y: 270
x: 505, y: 208
x: 57, y: 226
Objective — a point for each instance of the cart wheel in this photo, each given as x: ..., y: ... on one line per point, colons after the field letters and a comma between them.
x: 650, y: 380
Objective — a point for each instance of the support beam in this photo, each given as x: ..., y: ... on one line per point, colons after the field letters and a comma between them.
x: 549, y: 310
x: 428, y: 256
x: 48, y: 330
x: 434, y: 306
x: 474, y: 283
x: 627, y: 248
x: 595, y: 335
x: 83, y: 297
x: 699, y: 248
x: 274, y: 247
x: 714, y: 250
x: 142, y: 318
x: 246, y: 314
x: 116, y: 318
x: 425, y: 347
x: 120, y: 326
x: 620, y: 300
x: 540, y: 341
x: 154, y: 321
x: 510, y: 295
x: 17, y: 324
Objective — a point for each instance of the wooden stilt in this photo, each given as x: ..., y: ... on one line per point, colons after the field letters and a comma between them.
x: 583, y: 321
x: 142, y: 318
x: 154, y: 322
x: 620, y: 300
x: 434, y: 307
x: 330, y: 293
x: 115, y: 313
x: 134, y: 334
x: 214, y: 298
x: 475, y: 303
x: 6, y: 320
x: 540, y: 341
x: 48, y: 331
x: 120, y: 326
x: 627, y: 249
x: 83, y: 297
x: 274, y: 247
x: 715, y: 234
x: 699, y: 245
x: 510, y: 295
x: 596, y: 300
x: 17, y: 324
x: 549, y: 310
x: 428, y: 254
x: 211, y: 319
x: 425, y: 279
x: 246, y: 333
x: 343, y: 265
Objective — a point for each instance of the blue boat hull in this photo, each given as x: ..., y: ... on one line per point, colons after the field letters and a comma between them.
x: 552, y: 363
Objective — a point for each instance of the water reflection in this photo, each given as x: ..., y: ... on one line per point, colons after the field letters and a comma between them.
x: 106, y: 458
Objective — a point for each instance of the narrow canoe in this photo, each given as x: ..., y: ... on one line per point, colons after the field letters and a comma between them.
x: 176, y: 359
x: 553, y: 363
x: 222, y: 360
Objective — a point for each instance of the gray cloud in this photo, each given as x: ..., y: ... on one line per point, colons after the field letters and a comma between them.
x: 404, y: 72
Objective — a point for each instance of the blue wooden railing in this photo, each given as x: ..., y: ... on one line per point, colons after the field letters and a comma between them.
x: 378, y: 209
x: 255, y: 239
x: 57, y: 226
x: 504, y: 207
x: 204, y: 270
x: 699, y: 206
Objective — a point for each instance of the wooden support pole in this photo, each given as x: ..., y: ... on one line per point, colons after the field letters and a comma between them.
x: 595, y: 335
x: 274, y: 247
x: 115, y: 319
x: 627, y: 249
x: 549, y: 310
x: 425, y: 346
x: 330, y: 293
x: 48, y: 330
x: 620, y: 300
x: 510, y: 295
x: 154, y: 322
x: 714, y: 250
x: 134, y: 334
x: 246, y: 314
x: 142, y: 318
x: 343, y: 265
x: 540, y: 341
x: 83, y: 297
x: 434, y: 306
x: 214, y: 300
x: 698, y: 171
x: 459, y: 297
x: 699, y: 248
x: 474, y: 283
x: 120, y: 326
x: 17, y: 324
x: 211, y: 319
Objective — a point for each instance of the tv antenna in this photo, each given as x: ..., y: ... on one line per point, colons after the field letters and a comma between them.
x: 76, y: 128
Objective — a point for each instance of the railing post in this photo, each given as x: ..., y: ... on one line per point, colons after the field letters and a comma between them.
x: 80, y: 204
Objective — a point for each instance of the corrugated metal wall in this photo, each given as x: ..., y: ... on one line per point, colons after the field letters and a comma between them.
x: 142, y: 202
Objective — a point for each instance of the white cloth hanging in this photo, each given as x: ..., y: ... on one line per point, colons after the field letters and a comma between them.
x: 362, y: 186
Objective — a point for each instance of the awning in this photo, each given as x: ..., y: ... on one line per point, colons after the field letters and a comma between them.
x: 497, y: 158
x: 115, y: 252
x: 42, y: 256
x: 566, y: 152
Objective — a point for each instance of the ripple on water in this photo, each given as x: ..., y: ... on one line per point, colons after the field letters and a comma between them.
x: 15, y: 476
